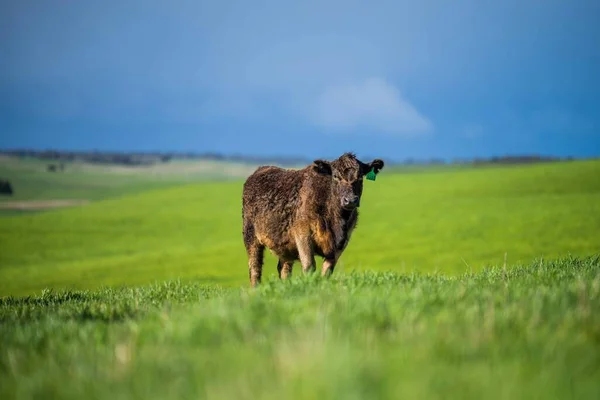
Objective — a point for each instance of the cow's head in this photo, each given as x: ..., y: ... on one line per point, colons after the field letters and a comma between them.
x: 347, y: 174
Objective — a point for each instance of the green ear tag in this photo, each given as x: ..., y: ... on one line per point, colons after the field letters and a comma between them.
x: 371, y: 175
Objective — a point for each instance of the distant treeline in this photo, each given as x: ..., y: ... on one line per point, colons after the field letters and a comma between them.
x: 150, y: 158
x: 518, y: 159
x: 94, y: 157
x: 144, y: 158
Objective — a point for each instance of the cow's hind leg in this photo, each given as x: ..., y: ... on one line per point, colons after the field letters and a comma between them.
x: 284, y: 268
x: 255, y: 251
x: 255, y: 262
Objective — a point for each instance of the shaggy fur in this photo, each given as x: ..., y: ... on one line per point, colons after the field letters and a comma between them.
x: 298, y: 214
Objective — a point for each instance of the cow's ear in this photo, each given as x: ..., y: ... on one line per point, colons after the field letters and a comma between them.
x: 322, y: 167
x: 375, y: 165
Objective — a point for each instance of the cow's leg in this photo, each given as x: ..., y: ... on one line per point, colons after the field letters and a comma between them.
x: 330, y: 262
x: 329, y: 266
x: 255, y: 262
x: 255, y: 251
x: 284, y: 268
x: 305, y: 253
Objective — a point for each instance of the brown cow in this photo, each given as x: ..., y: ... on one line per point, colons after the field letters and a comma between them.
x: 300, y: 213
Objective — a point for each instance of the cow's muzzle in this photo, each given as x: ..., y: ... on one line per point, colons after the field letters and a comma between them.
x: 350, y: 202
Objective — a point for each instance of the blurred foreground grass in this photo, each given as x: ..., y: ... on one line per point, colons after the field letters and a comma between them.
x: 514, y: 333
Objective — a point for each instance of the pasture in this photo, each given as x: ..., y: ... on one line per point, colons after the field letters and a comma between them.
x: 444, y: 221
x: 457, y: 283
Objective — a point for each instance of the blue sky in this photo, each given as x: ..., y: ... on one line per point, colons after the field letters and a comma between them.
x: 393, y: 79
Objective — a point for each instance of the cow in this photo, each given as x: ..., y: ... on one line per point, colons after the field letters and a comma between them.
x: 298, y: 214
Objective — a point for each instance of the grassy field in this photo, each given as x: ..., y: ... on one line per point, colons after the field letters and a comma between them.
x: 446, y: 221
x: 31, y: 181
x: 411, y: 312
x: 515, y: 333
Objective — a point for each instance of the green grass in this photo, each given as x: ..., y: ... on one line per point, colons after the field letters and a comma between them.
x: 447, y: 221
x: 517, y: 333
x: 411, y: 312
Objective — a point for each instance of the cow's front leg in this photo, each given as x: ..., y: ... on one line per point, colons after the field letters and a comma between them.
x: 328, y: 266
x: 305, y: 253
x: 329, y: 263
x: 331, y: 260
